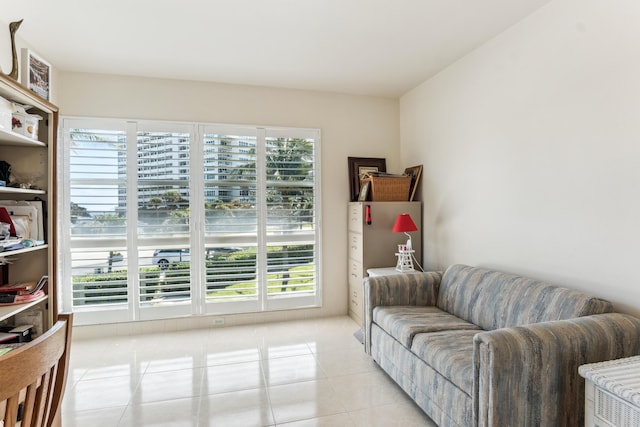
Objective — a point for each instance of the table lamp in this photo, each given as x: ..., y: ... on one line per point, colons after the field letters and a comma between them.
x: 404, y: 224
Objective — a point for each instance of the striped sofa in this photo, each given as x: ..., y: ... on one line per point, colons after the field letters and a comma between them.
x: 477, y: 347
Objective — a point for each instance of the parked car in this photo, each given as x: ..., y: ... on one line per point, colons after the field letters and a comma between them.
x: 165, y: 257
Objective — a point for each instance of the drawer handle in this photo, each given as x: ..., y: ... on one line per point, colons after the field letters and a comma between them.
x: 354, y: 275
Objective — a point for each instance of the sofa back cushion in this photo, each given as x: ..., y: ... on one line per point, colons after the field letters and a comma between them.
x: 492, y: 300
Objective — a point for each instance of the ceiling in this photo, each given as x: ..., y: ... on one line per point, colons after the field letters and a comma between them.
x: 365, y: 47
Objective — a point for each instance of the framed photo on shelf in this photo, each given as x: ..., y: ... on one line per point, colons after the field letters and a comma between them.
x: 414, y: 172
x: 358, y: 166
x: 36, y: 74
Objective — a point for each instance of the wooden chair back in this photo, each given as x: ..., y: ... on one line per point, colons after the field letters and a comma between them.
x: 33, y: 377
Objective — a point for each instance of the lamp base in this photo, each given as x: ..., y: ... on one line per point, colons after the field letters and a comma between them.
x: 405, y: 259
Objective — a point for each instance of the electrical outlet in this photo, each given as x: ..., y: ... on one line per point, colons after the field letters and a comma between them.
x: 218, y: 321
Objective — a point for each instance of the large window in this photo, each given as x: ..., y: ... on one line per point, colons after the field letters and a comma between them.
x: 171, y: 219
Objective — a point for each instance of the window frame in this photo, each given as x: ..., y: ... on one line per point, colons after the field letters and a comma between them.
x: 196, y: 240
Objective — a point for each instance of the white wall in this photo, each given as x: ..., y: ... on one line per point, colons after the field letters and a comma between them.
x: 531, y: 151
x: 350, y: 125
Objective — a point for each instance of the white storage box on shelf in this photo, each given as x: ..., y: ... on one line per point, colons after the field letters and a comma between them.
x: 24, y: 123
x: 7, y: 108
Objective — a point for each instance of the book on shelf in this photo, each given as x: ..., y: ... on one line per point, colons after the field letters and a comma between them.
x: 20, y: 293
x: 6, y: 336
x: 11, y: 299
x: 24, y: 288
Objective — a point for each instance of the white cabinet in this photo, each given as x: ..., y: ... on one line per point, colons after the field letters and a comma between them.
x: 375, y: 245
x: 33, y: 164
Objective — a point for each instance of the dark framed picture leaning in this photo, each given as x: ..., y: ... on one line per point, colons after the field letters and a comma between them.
x: 414, y: 172
x: 359, y: 166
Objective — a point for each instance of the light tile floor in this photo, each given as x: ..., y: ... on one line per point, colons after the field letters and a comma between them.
x: 295, y: 374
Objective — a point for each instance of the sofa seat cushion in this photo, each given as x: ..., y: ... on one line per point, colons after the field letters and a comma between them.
x: 404, y: 322
x: 450, y: 353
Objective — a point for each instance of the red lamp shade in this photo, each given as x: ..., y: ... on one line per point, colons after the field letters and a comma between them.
x: 404, y: 223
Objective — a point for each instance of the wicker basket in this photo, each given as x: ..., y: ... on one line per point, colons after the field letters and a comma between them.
x: 389, y: 188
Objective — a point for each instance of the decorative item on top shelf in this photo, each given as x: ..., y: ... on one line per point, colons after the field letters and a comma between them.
x: 358, y: 166
x: 13, y: 28
x: 36, y: 74
x: 404, y: 224
x: 414, y: 172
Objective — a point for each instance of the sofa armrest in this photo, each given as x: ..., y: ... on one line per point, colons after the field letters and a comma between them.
x: 528, y: 375
x: 398, y: 289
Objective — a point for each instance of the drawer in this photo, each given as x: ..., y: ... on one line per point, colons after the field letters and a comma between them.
x: 355, y: 217
x: 355, y: 246
x: 355, y: 273
x: 355, y: 300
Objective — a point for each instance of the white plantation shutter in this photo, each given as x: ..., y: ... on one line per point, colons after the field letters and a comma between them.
x: 231, y: 212
x: 96, y: 160
x: 290, y: 218
x: 163, y: 206
x: 171, y: 219
x: 260, y: 202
